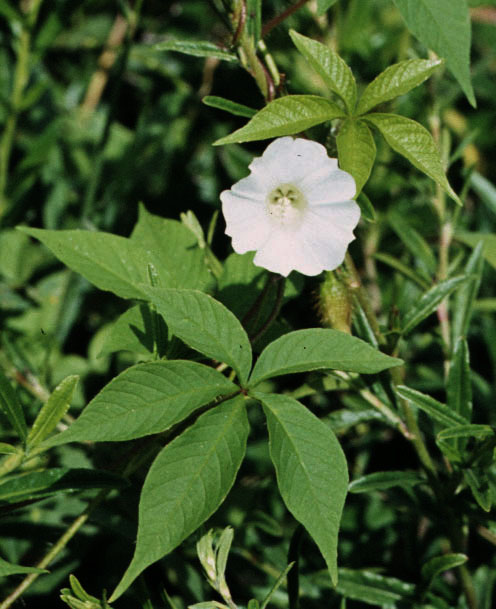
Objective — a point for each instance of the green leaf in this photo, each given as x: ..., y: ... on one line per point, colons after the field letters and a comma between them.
x: 464, y: 300
x: 356, y: 150
x: 439, y: 564
x: 485, y: 189
x: 186, y: 483
x: 285, y: 116
x: 372, y: 588
x: 279, y: 581
x: 318, y: 349
x: 396, y: 80
x: 381, y: 481
x: 488, y: 241
x: 206, y: 325
x: 169, y: 241
x: 444, y: 27
x: 466, y: 431
x: 145, y: 399
x: 414, y: 142
x: 52, y: 411
x: 229, y: 106
x: 311, y: 470
x: 324, y: 5
x: 110, y: 262
x: 7, y: 449
x: 132, y: 331
x: 37, y: 485
x: 367, y: 210
x: 11, y: 407
x: 430, y: 300
x: 436, y: 410
x: 479, y: 486
x: 331, y: 68
x: 459, y: 384
x: 406, y: 270
x: 415, y: 243
x: 198, y: 48
x: 7, y: 568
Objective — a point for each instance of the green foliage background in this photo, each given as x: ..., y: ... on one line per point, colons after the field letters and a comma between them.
x: 82, y: 159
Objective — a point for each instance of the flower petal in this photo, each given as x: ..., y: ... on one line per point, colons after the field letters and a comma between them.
x: 246, y: 222
x: 328, y: 186
x: 328, y: 230
x: 285, y: 252
x: 287, y: 160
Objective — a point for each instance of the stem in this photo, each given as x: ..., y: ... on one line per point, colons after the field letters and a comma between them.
x: 293, y: 577
x: 55, y: 550
x: 21, y: 75
x: 356, y: 286
x: 275, y: 21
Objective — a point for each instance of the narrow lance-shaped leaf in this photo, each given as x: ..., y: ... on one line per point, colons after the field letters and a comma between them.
x: 439, y: 564
x: 11, y: 407
x: 466, y: 431
x: 459, y: 384
x: 8, y: 568
x: 373, y: 588
x: 228, y: 106
x: 311, y: 470
x: 444, y: 27
x: 330, y: 67
x: 146, y: 399
x: 396, y: 80
x: 52, y: 411
x: 186, y: 483
x: 437, y: 410
x: 206, y: 325
x: 197, y: 48
x: 430, y: 300
x: 285, y: 116
x: 465, y: 297
x: 414, y: 142
x: 37, y: 485
x: 415, y: 243
x: 318, y: 349
x: 487, y: 239
x: 356, y: 150
x: 381, y: 481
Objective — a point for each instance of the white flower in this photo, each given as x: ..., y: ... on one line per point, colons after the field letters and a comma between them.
x: 295, y: 209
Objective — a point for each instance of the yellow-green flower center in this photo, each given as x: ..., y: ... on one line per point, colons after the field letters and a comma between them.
x: 286, y: 204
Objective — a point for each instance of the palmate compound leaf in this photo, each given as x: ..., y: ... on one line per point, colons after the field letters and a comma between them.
x: 204, y: 324
x: 356, y: 150
x: 444, y: 27
x: 415, y: 143
x: 146, y: 399
x: 285, y: 116
x: 186, y: 483
x: 330, y: 67
x: 396, y: 80
x: 318, y: 349
x: 311, y: 469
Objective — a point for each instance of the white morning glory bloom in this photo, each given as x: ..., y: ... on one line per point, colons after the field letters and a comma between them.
x: 295, y: 209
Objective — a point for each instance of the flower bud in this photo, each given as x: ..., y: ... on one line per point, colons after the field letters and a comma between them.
x: 334, y: 302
